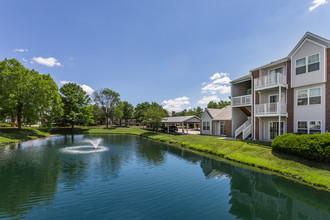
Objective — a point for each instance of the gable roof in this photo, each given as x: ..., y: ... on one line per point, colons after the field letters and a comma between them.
x: 220, y: 114
x: 309, y: 36
x: 312, y: 37
x: 241, y: 79
x: 181, y: 119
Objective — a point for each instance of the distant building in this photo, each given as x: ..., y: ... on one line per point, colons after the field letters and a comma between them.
x: 217, y: 122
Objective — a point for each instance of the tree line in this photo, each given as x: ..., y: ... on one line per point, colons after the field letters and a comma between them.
x: 28, y: 97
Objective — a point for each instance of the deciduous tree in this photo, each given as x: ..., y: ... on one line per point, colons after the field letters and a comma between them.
x: 108, y: 99
x: 27, y: 95
x: 76, y: 105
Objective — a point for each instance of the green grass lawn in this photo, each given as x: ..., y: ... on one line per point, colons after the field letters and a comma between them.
x: 252, y: 153
x: 12, y: 135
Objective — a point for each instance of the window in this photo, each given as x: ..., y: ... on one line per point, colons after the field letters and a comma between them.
x: 206, y: 125
x: 314, y: 127
x: 301, y: 66
x: 313, y: 62
x: 302, y: 97
x: 309, y: 96
x: 315, y: 96
x: 302, y: 127
x: 309, y: 128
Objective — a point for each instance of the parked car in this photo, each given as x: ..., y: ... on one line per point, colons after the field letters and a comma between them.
x: 172, y: 128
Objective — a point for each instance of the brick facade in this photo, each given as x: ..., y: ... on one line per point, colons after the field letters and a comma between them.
x: 290, y: 99
x: 255, y: 74
x: 228, y: 128
x: 327, y: 116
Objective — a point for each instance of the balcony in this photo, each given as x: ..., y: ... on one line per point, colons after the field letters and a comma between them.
x: 270, y: 109
x: 244, y: 100
x: 270, y: 81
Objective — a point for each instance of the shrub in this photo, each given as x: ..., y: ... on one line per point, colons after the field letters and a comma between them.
x: 314, y: 146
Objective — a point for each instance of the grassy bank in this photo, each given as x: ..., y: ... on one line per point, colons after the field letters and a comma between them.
x: 13, y: 135
x: 253, y: 153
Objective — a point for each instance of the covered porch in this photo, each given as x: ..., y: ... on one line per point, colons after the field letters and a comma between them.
x: 183, y: 121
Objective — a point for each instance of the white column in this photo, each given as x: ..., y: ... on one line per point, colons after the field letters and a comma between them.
x: 182, y: 126
x: 187, y: 127
x: 168, y: 128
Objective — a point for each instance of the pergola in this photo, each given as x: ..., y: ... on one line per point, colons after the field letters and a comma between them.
x: 181, y: 120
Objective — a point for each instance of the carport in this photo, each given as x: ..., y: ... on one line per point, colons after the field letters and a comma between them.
x: 183, y: 120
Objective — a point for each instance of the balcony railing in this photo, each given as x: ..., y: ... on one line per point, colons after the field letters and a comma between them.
x: 243, y: 100
x: 269, y: 81
x: 270, y: 109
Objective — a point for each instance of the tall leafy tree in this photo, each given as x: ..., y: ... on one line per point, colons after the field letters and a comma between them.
x: 27, y: 95
x: 139, y: 112
x: 118, y: 111
x: 98, y: 114
x: 154, y: 115
x: 76, y: 105
x: 128, y: 111
x: 107, y: 99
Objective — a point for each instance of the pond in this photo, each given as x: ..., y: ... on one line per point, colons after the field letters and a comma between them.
x: 128, y: 177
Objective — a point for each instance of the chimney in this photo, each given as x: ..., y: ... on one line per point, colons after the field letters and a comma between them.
x: 173, y: 113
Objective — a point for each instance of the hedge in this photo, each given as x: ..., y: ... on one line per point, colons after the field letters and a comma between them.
x: 313, y: 147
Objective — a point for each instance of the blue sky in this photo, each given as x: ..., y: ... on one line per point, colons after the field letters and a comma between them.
x: 163, y: 51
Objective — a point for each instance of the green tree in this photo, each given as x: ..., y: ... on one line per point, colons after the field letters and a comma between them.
x: 98, y: 114
x: 199, y: 112
x: 128, y: 111
x: 219, y: 105
x: 154, y: 115
x: 139, y: 112
x: 76, y: 105
x: 107, y: 99
x: 26, y: 95
x: 118, y: 111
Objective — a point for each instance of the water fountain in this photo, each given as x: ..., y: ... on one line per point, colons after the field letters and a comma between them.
x: 86, y: 149
x: 94, y: 142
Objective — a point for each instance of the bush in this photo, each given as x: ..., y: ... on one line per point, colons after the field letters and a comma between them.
x: 5, y: 124
x: 314, y: 146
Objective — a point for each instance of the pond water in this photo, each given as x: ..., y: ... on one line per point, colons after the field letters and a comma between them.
x: 128, y: 177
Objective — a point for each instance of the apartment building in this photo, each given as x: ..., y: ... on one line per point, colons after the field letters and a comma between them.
x: 291, y: 94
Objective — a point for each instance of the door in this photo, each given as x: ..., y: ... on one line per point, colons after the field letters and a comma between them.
x: 273, y: 129
x: 273, y: 75
x: 222, y: 128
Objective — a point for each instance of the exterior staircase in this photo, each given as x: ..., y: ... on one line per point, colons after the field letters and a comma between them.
x: 245, y: 130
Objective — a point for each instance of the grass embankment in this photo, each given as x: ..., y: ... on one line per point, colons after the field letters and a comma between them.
x: 13, y: 135
x: 252, y: 153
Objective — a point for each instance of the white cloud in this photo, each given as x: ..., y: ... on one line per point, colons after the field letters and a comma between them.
x: 206, y: 99
x: 50, y: 61
x: 21, y: 50
x: 317, y: 3
x: 176, y: 104
x: 214, y: 89
x: 85, y: 87
x: 25, y: 60
x: 220, y: 84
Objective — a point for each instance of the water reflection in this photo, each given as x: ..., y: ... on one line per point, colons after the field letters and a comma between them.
x: 258, y: 196
x: 34, y: 173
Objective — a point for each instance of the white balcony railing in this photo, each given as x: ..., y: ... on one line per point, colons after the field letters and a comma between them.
x: 270, y: 109
x: 242, y: 100
x: 270, y: 80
